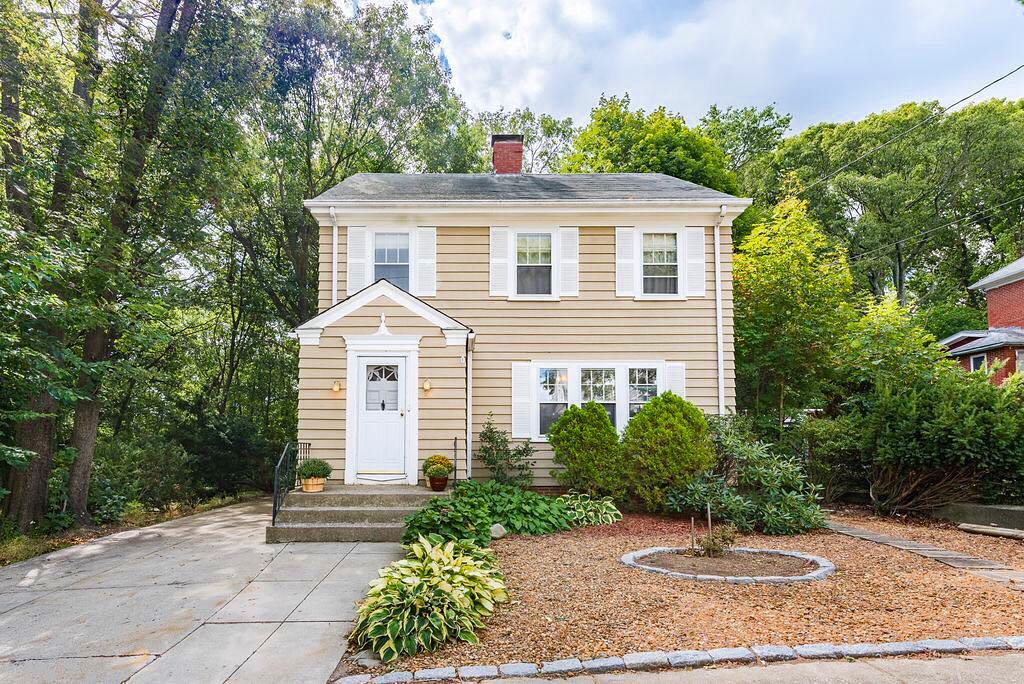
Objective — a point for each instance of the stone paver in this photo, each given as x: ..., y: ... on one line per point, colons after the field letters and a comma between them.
x: 198, y: 599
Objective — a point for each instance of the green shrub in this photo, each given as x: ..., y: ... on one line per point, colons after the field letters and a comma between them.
x: 507, y: 464
x: 716, y: 542
x: 148, y: 469
x: 665, y: 445
x: 585, y: 511
x: 517, y: 510
x: 586, y: 445
x: 313, y: 468
x: 440, y: 592
x: 831, y: 450
x: 765, y: 491
x: 450, y: 518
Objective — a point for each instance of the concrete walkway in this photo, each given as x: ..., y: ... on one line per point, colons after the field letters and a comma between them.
x: 200, y: 599
x: 983, y: 669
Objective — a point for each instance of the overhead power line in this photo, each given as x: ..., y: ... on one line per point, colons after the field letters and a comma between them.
x: 910, y: 130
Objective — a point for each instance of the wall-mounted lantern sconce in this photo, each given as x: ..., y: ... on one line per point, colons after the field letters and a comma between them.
x: 426, y: 385
x: 336, y: 387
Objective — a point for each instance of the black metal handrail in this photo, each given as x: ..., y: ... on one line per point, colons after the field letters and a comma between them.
x: 284, y: 473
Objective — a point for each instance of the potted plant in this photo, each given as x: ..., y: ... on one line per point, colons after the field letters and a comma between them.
x: 313, y: 473
x: 437, y: 468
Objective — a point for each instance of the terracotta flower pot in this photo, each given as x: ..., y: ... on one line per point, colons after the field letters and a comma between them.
x: 438, y: 484
x: 313, y: 484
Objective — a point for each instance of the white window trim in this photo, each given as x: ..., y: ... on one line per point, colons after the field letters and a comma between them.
x: 574, y: 369
x: 513, y: 262
x: 984, y: 362
x: 1020, y: 361
x: 414, y: 257
x: 638, y: 267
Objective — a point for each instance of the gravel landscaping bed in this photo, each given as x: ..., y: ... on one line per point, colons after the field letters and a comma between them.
x: 572, y: 597
x: 943, y: 534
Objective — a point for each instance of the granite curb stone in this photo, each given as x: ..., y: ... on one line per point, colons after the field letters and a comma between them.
x: 824, y: 566
x: 985, y: 643
x: 604, y: 664
x: 882, y: 649
x: 478, y: 671
x: 1015, y: 642
x: 773, y: 653
x: 645, y: 660
x: 393, y: 677
x: 818, y: 651
x: 518, y: 669
x: 943, y: 645
x: 434, y: 674
x: 732, y: 655
x: 689, y: 658
x: 354, y: 679
x: 561, y: 666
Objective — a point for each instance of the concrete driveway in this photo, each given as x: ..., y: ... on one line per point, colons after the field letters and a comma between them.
x: 200, y: 599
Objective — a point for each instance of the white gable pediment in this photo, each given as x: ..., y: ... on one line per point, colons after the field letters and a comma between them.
x: 454, y: 331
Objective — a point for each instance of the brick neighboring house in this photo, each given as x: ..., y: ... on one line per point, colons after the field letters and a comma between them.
x: 1004, y: 339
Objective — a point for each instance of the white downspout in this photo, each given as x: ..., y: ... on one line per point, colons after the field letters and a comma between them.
x: 470, y: 340
x: 334, y: 258
x: 719, y: 335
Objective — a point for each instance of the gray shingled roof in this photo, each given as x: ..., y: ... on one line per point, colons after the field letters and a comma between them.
x: 1012, y: 272
x: 419, y: 187
x: 995, y: 338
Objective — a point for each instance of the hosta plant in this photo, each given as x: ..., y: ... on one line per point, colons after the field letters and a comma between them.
x: 451, y: 518
x: 439, y: 592
x: 584, y: 510
x: 518, y: 510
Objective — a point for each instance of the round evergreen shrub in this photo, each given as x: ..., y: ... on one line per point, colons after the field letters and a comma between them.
x: 665, y: 445
x: 586, y: 445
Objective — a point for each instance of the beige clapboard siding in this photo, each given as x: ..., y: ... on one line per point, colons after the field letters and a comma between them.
x: 442, y: 411
x: 595, y: 325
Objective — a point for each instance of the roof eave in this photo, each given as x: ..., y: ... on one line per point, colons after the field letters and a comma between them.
x: 734, y: 205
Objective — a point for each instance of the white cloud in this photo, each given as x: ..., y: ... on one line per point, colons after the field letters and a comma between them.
x: 818, y: 60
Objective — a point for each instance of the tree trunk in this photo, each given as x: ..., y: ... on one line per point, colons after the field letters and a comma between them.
x: 28, y: 498
x: 86, y: 425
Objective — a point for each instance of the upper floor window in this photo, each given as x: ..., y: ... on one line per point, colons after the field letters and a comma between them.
x: 978, y: 362
x: 661, y: 264
x: 391, y: 258
x: 533, y: 263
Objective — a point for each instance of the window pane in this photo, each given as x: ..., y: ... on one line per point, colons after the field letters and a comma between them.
x: 391, y: 248
x: 397, y: 275
x: 978, y: 362
x: 661, y: 285
x: 671, y: 270
x: 660, y: 248
x: 643, y: 386
x: 597, y: 384
x: 549, y: 413
x: 533, y: 249
x: 554, y: 385
x: 533, y: 280
x: 382, y: 388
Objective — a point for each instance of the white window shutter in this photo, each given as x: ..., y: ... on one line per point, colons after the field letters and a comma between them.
x: 358, y: 273
x: 569, y: 261
x: 426, y: 262
x: 522, y: 400
x: 675, y: 379
x: 626, y: 261
x: 696, y: 271
x: 499, y: 261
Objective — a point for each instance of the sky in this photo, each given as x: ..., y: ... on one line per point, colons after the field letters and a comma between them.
x: 823, y: 60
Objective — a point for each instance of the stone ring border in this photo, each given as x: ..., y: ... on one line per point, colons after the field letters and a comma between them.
x: 824, y: 569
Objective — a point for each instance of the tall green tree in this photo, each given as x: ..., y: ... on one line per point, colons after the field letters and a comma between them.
x: 745, y: 133
x: 791, y: 288
x: 619, y: 139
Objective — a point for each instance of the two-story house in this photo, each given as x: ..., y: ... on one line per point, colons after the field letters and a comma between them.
x: 1003, y: 341
x: 445, y: 298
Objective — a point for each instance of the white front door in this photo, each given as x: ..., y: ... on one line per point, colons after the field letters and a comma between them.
x: 380, y: 434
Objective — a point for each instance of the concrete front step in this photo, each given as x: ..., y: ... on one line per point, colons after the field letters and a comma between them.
x: 343, y: 514
x: 364, y: 496
x: 334, y: 532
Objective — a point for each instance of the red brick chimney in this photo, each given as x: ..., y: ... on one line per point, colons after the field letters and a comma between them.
x: 507, y: 153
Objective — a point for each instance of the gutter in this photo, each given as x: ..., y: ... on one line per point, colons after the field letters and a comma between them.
x: 470, y: 343
x: 719, y: 334
x: 334, y: 257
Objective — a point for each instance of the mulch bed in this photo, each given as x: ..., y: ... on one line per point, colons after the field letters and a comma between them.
x: 730, y: 564
x: 939, y: 533
x: 571, y: 596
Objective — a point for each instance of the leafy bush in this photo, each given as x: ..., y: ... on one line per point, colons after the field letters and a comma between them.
x: 716, y: 542
x: 314, y: 468
x: 517, y: 510
x: 451, y: 518
x: 830, y: 447
x: 586, y: 445
x: 150, y: 469
x: 440, y: 592
x: 438, y: 465
x: 507, y: 464
x: 584, y: 510
x: 666, y: 444
x: 226, y: 454
x: 764, y: 491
